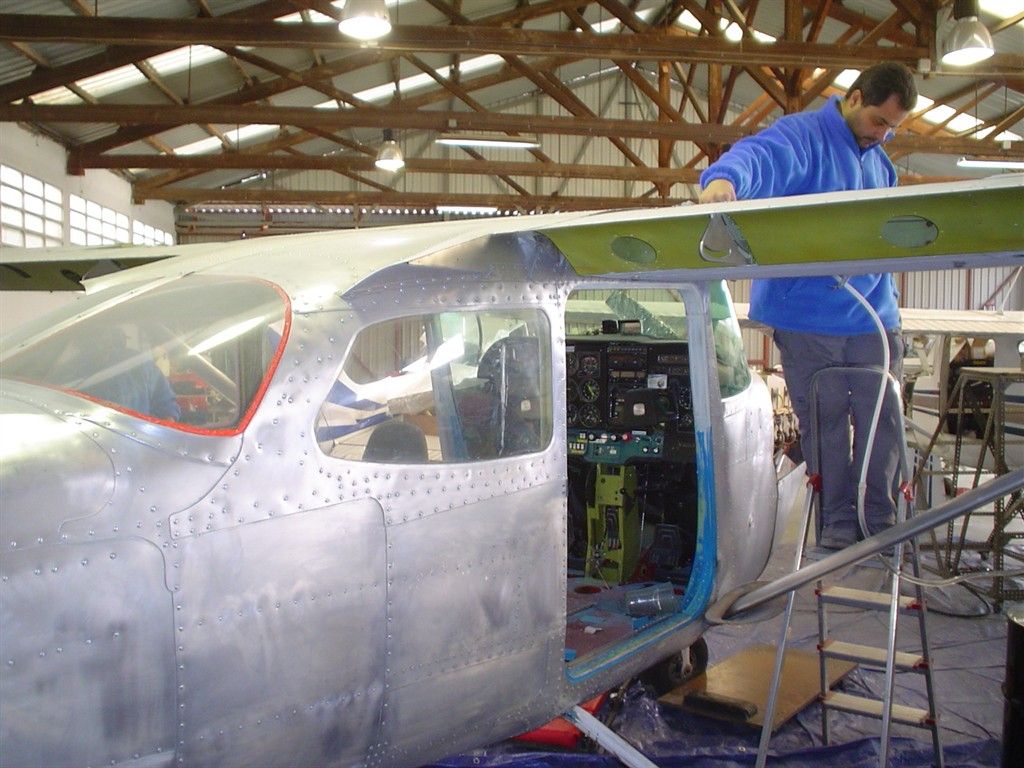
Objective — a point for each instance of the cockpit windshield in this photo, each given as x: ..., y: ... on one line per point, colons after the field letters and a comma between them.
x: 196, y: 352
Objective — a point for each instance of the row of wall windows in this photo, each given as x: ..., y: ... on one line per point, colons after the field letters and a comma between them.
x: 32, y: 216
x: 31, y: 211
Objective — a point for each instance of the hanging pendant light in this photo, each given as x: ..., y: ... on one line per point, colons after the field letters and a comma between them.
x: 365, y: 19
x: 389, y: 156
x: 969, y: 41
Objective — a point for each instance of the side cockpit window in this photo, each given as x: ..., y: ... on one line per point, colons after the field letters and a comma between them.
x: 448, y: 387
x: 730, y: 354
x: 195, y: 352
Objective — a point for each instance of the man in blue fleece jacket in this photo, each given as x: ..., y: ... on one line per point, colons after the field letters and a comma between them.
x: 817, y: 322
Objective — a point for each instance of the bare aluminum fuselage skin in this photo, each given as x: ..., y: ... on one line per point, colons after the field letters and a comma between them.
x: 170, y: 598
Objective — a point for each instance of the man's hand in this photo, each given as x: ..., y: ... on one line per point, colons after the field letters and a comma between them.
x: 717, y: 191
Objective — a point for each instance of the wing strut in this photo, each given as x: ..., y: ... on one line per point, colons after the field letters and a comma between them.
x: 607, y: 738
x: 741, y: 600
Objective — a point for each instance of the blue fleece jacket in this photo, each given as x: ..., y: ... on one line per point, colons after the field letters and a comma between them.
x: 802, y: 154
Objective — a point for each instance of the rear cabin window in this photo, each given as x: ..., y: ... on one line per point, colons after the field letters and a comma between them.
x: 196, y: 352
x: 448, y: 387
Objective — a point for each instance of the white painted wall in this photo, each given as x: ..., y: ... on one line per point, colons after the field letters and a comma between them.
x: 38, y: 156
x: 44, y: 159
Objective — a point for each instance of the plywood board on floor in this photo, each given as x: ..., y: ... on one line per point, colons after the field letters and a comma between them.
x: 737, y: 688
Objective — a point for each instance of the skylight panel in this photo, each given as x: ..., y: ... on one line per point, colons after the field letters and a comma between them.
x: 246, y: 133
x: 733, y: 32
x: 235, y: 136
x: 477, y: 63
x: 963, y: 123
x: 386, y: 91
x: 181, y: 59
x: 58, y: 95
x: 614, y: 24
x: 1002, y: 9
x: 606, y: 27
x: 688, y: 21
x: 111, y: 81
x: 128, y: 76
x: 377, y: 95
x: 201, y: 147
x: 314, y: 16
x: 846, y: 78
x: 1004, y: 136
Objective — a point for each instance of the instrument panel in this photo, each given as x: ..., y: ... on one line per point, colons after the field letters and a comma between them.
x: 600, y: 371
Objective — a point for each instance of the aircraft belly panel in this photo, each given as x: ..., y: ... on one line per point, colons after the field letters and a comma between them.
x: 477, y: 607
x: 281, y: 639
x: 464, y: 707
x: 88, y: 654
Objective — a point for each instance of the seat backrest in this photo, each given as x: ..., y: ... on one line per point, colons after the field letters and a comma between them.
x: 396, y: 442
x: 511, y: 366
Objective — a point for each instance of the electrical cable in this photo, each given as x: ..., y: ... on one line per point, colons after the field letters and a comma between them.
x: 879, y: 399
x: 965, y: 578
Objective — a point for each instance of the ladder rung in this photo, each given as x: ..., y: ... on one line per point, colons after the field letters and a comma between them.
x: 861, y: 598
x: 873, y: 708
x: 872, y: 656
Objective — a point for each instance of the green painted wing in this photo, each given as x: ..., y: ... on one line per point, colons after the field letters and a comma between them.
x: 962, y: 218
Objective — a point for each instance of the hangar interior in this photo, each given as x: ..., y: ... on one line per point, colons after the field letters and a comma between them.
x: 212, y: 121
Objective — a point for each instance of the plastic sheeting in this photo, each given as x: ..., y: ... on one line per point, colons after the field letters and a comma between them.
x: 968, y: 644
x: 863, y: 753
x: 675, y: 739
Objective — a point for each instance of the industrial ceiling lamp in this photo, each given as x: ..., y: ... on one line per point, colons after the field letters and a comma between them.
x: 389, y: 157
x: 969, y: 41
x: 365, y: 19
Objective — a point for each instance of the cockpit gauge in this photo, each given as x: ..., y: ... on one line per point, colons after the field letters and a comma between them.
x: 572, y: 363
x: 590, y: 391
x: 589, y: 415
x: 590, y: 364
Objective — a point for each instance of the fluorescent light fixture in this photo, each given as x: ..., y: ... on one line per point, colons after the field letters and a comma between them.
x: 494, y: 140
x: 971, y: 162
x: 389, y: 156
x: 365, y: 19
x: 970, y: 41
x: 468, y: 210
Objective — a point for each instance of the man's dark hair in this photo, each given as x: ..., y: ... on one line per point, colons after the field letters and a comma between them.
x: 877, y: 83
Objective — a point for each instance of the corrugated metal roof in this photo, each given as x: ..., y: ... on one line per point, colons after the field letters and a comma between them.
x: 584, y: 86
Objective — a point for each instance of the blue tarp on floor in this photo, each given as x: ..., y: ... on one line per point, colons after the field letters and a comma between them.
x: 863, y: 753
x: 968, y: 642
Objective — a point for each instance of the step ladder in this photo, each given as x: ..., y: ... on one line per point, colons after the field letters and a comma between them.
x: 888, y: 659
x: 893, y: 602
